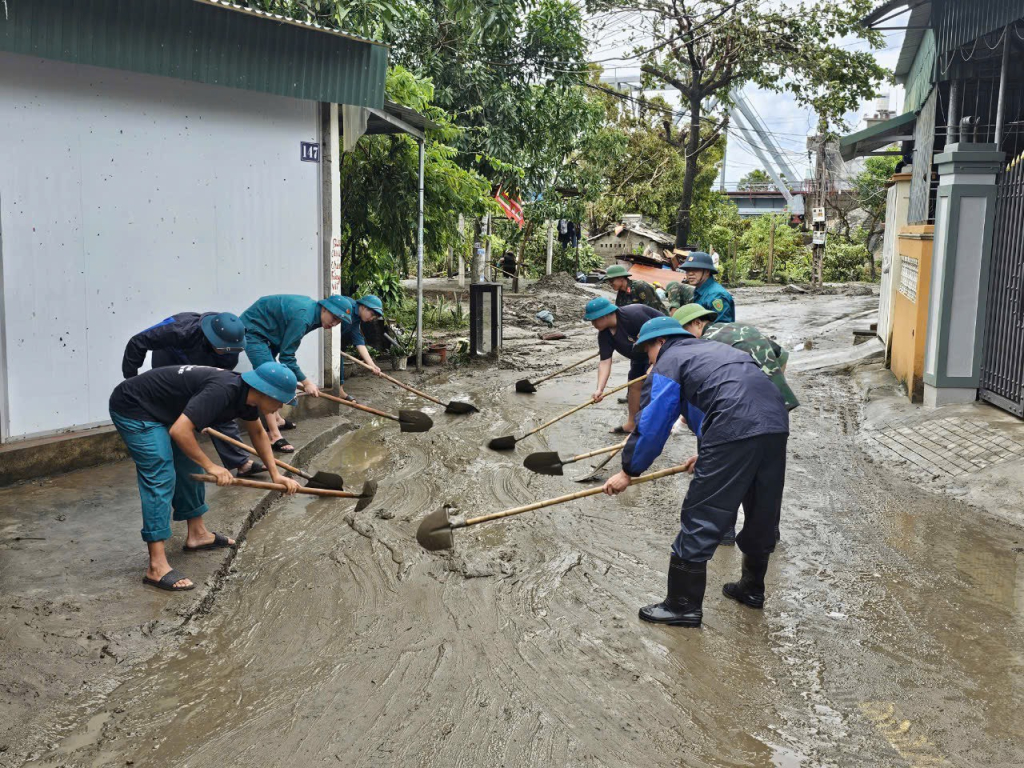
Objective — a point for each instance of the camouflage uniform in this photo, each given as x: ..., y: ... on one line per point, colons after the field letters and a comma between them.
x: 640, y: 293
x: 766, y: 353
x: 679, y: 293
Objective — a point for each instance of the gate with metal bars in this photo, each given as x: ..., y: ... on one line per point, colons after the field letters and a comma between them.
x: 1002, y: 369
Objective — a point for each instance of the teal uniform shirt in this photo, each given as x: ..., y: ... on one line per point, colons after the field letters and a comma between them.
x: 350, y: 328
x: 711, y: 295
x: 280, y: 322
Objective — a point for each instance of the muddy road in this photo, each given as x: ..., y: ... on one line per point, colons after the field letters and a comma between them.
x: 892, y: 632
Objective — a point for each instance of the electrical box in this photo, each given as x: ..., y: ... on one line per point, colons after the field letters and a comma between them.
x: 818, y: 238
x: 485, y: 313
x: 817, y: 215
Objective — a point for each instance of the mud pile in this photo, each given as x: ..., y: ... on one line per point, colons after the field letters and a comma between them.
x: 558, y: 293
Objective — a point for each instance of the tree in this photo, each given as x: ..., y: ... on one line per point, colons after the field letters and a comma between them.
x: 705, y: 49
x: 758, y: 181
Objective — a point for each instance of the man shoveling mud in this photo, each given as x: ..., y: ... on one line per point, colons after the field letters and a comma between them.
x: 189, y: 338
x: 771, y: 357
x: 157, y: 414
x: 617, y: 329
x: 741, y: 459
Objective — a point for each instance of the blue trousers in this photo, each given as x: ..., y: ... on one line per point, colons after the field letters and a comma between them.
x: 165, y: 488
x: 751, y: 472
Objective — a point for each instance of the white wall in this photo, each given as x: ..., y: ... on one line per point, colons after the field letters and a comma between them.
x: 125, y: 198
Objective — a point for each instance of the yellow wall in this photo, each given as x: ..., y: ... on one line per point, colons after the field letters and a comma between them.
x: 910, y: 317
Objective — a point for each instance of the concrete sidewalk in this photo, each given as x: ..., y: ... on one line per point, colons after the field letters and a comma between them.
x: 974, y: 452
x: 75, y: 612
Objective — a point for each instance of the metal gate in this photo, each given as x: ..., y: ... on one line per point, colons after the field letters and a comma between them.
x: 1002, y: 369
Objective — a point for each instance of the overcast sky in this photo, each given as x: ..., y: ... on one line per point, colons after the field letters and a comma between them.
x: 789, y: 123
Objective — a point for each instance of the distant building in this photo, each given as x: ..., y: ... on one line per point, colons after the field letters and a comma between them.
x: 634, y: 241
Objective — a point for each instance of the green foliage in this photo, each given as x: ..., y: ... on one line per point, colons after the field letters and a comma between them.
x: 379, y: 197
x: 845, y: 260
x: 565, y: 260
x: 757, y: 180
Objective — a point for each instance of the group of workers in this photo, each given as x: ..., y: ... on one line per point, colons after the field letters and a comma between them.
x: 733, y: 396
x: 193, y: 385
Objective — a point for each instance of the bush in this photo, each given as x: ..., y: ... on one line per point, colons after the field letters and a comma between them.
x: 844, y: 261
x: 565, y: 260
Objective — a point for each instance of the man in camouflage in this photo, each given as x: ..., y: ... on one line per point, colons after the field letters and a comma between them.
x: 629, y: 291
x: 772, y: 357
x: 678, y: 294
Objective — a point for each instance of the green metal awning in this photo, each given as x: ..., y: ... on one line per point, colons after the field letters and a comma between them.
x: 206, y: 41
x: 877, y: 136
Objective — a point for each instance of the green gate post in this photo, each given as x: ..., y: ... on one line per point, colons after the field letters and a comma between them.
x: 964, y: 214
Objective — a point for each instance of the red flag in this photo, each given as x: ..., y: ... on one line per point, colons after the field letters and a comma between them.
x: 513, y: 208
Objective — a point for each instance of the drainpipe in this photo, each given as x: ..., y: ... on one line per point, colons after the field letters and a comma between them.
x: 953, y: 113
x: 1001, y: 104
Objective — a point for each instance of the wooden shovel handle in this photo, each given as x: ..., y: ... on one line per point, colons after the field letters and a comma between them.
x: 567, y: 368
x: 262, y: 484
x: 573, y: 496
x: 581, y: 406
x: 598, y: 452
x: 396, y: 382
x: 242, y: 446
x: 358, y: 406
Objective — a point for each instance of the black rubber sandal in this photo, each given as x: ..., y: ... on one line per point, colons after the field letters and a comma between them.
x: 167, y: 582
x: 283, y: 446
x: 257, y: 468
x: 620, y: 430
x: 288, y: 425
x: 219, y: 542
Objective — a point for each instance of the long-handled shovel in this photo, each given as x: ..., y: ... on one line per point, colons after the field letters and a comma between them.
x: 508, y: 442
x: 328, y: 480
x: 451, y: 407
x: 435, y: 532
x: 527, y: 387
x: 600, y: 465
x: 408, y: 421
x: 550, y: 463
x: 365, y: 496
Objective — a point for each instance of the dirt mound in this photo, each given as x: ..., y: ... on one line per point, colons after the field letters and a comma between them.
x: 557, y: 282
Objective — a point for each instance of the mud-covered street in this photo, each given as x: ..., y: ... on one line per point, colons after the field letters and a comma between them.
x: 891, y: 634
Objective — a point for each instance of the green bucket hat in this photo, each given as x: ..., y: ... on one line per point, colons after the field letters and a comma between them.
x: 616, y: 270
x: 657, y: 327
x: 690, y: 312
x: 372, y: 303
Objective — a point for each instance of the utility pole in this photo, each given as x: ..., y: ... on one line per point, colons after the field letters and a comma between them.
x: 818, y: 213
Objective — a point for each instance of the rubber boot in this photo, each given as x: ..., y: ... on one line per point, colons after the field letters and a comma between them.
x: 749, y: 590
x: 729, y: 538
x: 682, y: 607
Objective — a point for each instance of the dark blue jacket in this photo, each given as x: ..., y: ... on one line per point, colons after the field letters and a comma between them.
x: 738, y: 401
x: 176, y: 340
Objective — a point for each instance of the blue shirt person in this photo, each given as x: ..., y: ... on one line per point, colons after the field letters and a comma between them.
x: 741, y: 460
x: 274, y: 329
x: 700, y: 272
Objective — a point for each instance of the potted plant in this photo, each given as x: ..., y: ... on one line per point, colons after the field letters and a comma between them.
x: 402, y: 345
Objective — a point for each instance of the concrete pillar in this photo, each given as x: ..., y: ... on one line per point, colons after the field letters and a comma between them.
x: 964, y: 214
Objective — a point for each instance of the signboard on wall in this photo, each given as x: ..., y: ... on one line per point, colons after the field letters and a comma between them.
x: 309, y: 151
x: 335, y: 266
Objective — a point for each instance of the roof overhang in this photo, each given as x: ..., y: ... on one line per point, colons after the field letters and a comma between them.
x: 395, y: 118
x: 873, y: 138
x: 206, y: 41
x: 917, y: 23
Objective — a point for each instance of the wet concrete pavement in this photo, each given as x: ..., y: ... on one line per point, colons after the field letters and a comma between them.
x: 891, y: 635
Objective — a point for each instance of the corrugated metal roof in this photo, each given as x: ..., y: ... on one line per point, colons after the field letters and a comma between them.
x: 874, y: 137
x: 958, y: 22
x: 202, y: 42
x: 287, y: 20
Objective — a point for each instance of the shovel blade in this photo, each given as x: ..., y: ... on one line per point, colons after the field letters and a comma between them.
x: 544, y: 462
x: 435, y: 532
x: 414, y: 421
x: 506, y: 443
x: 326, y: 480
x: 525, y: 387
x: 367, y: 494
x: 460, y: 408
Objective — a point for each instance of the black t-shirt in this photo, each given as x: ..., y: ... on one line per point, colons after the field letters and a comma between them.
x: 631, y: 320
x: 208, y: 396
